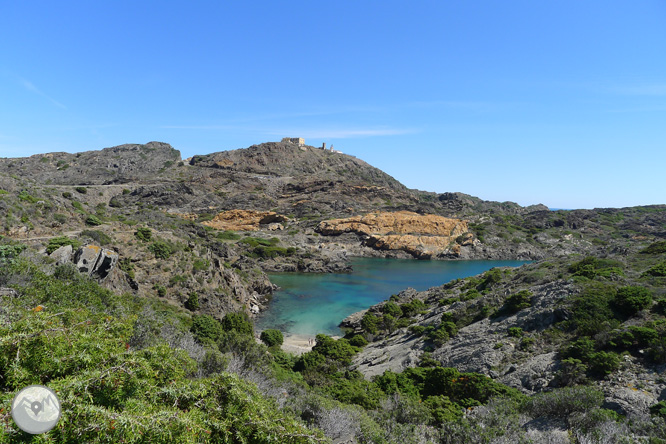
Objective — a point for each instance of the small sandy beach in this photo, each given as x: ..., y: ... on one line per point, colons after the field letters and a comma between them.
x: 297, y: 344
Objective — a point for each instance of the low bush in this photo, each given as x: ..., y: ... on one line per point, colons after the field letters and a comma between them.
x: 228, y: 235
x: 515, y: 332
x: 239, y: 322
x: 143, y: 234
x: 205, y: 327
x: 272, y: 337
x: 161, y: 249
x: 60, y: 241
x: 630, y: 300
x: 658, y: 270
x: 82, y: 190
x: 98, y: 236
x: 563, y: 402
x: 192, y: 302
x: 655, y: 248
x: 93, y: 220
x: 393, y: 309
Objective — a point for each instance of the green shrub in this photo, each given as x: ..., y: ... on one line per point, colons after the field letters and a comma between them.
x: 563, y: 402
x: 655, y: 248
x: 60, y: 241
x: 143, y: 234
x: 604, y: 363
x: 412, y: 307
x: 572, y: 372
x: 93, y: 220
x: 417, y: 330
x: 228, y: 235
x: 239, y: 322
x: 206, y: 327
x: 78, y: 206
x: 60, y: 218
x: 82, y: 190
x: 515, y: 332
x: 658, y: 270
x: 339, y: 350
x: 370, y: 323
x: 161, y: 249
x: 358, y: 341
x: 192, y: 302
x: 272, y: 337
x: 392, y: 309
x: 161, y: 290
x: 630, y: 300
x: 659, y: 409
x: 99, y: 237
x: 115, y: 203
x: 200, y: 265
x: 517, y: 302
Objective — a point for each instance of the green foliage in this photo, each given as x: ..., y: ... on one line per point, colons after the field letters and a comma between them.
x: 60, y: 241
x: 630, y: 300
x: 358, y: 341
x: 24, y: 196
x: 98, y: 236
x: 563, y: 402
x: 658, y: 270
x: 228, y: 235
x: 572, y: 372
x: 338, y: 350
x: 412, y: 307
x: 115, y: 203
x: 239, y: 322
x: 162, y: 249
x: 515, y: 332
x: 9, y: 253
x: 127, y: 266
x: 392, y: 309
x: 205, y: 327
x: 655, y: 248
x: 82, y: 190
x: 604, y: 363
x: 200, y: 265
x: 93, y: 220
x: 516, y: 302
x: 144, y: 234
x: 659, y: 409
x: 161, y: 290
x: 370, y: 323
x: 591, y: 310
x: 591, y: 267
x: 272, y: 337
x: 490, y: 277
x: 60, y: 218
x: 443, y: 332
x: 257, y: 241
x: 271, y: 252
x: 192, y: 302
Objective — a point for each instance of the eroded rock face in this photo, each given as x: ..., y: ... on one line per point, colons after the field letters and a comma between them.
x: 245, y: 220
x: 422, y: 236
x: 95, y: 261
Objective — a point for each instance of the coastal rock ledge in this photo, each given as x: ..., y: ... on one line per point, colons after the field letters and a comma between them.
x: 421, y: 235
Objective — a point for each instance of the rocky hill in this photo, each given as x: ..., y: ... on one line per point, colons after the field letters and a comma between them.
x: 187, y: 243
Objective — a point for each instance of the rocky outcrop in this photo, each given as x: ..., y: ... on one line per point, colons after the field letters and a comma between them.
x: 246, y: 220
x: 422, y: 236
x: 95, y: 261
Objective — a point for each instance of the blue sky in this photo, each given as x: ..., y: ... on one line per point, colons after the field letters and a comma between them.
x: 561, y: 103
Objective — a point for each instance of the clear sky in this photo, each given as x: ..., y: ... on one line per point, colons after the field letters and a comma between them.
x: 554, y: 102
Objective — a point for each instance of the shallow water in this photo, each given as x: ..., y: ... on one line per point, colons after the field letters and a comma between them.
x: 308, y: 303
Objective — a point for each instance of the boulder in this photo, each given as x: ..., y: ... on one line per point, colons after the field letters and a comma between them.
x: 105, y: 262
x: 62, y: 255
x: 86, y: 258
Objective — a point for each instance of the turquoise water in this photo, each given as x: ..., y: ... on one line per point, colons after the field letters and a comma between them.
x: 308, y: 303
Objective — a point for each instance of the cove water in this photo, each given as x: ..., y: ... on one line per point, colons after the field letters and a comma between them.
x: 309, y: 303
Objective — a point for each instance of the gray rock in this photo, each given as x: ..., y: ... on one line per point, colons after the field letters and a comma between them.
x: 62, y: 255
x: 86, y: 258
x: 106, y: 260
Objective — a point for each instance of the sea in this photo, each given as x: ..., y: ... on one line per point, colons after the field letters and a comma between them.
x: 311, y: 303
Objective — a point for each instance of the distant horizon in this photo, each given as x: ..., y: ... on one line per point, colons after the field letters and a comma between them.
x: 531, y: 102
